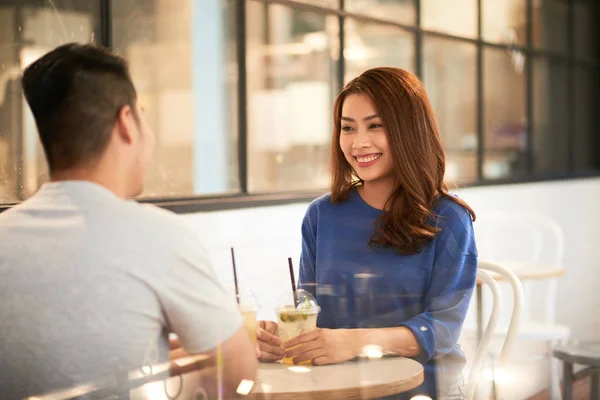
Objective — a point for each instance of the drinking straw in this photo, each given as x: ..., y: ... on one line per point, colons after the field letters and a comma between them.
x: 293, y: 280
x: 237, y: 290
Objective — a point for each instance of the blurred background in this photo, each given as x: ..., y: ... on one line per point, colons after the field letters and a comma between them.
x: 239, y: 95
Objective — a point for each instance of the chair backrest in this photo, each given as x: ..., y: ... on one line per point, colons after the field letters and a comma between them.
x: 524, y: 239
x: 477, y: 364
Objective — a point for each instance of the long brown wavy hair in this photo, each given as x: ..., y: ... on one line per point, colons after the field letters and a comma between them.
x: 418, y: 158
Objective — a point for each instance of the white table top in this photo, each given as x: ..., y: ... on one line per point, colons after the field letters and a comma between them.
x: 525, y: 271
x: 362, y: 379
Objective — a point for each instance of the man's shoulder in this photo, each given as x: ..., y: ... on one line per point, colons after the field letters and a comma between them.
x: 150, y: 212
x: 7, y: 213
x: 14, y: 210
x: 153, y: 219
x: 19, y: 213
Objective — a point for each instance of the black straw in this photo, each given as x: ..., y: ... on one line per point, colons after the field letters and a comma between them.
x: 237, y: 290
x: 293, y: 280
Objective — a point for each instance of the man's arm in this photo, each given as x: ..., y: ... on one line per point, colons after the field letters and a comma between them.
x: 197, y: 308
x: 231, y: 363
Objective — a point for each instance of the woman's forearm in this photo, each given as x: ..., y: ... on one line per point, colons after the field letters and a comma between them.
x: 398, y: 340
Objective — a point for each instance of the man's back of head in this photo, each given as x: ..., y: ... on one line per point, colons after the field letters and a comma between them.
x: 88, y: 118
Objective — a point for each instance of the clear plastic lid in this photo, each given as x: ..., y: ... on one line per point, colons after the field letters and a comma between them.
x: 248, y: 301
x: 306, y: 302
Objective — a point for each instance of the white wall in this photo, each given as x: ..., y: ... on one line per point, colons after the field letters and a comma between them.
x: 264, y: 237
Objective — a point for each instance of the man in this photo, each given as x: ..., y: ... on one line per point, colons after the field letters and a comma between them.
x: 91, y: 284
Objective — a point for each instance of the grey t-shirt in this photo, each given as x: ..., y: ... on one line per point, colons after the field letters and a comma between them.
x: 91, y: 284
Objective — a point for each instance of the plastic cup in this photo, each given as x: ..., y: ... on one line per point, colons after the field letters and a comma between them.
x: 248, y: 306
x: 294, y: 321
x: 250, y: 323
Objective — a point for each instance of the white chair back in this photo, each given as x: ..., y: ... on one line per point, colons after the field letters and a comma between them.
x: 483, y: 274
x: 476, y: 365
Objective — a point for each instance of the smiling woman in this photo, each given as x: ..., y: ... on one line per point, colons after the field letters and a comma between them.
x: 390, y: 255
x: 390, y: 151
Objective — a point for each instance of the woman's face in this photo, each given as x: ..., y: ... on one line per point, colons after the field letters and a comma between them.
x: 364, y: 140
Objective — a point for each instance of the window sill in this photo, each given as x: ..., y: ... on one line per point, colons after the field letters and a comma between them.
x: 195, y: 204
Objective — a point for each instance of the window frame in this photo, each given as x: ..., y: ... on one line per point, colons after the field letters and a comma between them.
x: 245, y: 199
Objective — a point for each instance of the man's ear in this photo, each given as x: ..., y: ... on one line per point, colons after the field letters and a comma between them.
x: 125, y: 124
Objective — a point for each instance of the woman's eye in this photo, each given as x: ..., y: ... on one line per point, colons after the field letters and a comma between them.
x: 375, y: 126
x: 346, y: 128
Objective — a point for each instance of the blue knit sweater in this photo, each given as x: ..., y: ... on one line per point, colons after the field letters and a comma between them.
x: 362, y: 287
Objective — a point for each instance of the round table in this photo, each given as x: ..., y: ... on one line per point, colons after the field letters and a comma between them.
x: 362, y: 379
x: 584, y: 353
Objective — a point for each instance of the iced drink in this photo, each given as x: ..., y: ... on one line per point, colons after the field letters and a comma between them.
x: 250, y: 323
x: 294, y: 321
x: 248, y: 306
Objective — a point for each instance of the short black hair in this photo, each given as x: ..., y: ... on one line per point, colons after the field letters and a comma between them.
x: 75, y: 93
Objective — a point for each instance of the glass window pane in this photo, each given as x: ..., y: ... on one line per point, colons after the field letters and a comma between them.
x: 370, y: 45
x: 292, y: 71
x: 505, y: 124
x: 456, y: 17
x: 402, y: 11
x: 586, y: 16
x: 450, y: 68
x: 550, y: 24
x: 504, y: 21
x: 43, y: 26
x: 587, y: 119
x: 550, y: 116
x: 183, y: 63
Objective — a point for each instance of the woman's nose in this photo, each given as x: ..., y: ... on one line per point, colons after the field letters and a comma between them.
x: 361, y: 140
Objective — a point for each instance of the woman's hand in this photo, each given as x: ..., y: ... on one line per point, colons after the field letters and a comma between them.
x: 324, y: 346
x: 268, y: 342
